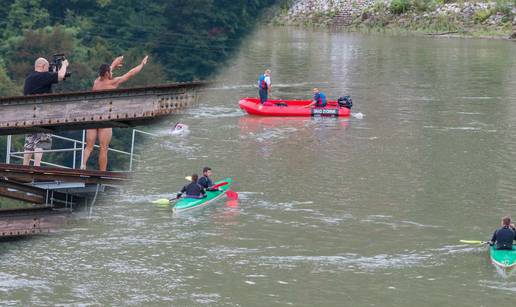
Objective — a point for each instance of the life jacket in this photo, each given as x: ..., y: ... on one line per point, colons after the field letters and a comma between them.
x: 320, y: 98
x: 261, y: 83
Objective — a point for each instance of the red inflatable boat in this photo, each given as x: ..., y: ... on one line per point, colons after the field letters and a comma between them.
x: 291, y: 108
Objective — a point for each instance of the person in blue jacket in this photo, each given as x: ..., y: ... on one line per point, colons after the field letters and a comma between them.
x: 264, y: 86
x: 319, y: 99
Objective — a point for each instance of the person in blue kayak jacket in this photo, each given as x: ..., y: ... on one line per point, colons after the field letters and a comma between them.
x: 193, y: 189
x: 504, y: 236
x: 264, y: 86
x: 205, y: 180
x: 319, y: 99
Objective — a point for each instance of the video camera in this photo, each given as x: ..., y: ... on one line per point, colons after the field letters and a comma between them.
x: 57, y: 62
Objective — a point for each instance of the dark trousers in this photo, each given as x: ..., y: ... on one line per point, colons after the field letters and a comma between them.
x: 263, y: 95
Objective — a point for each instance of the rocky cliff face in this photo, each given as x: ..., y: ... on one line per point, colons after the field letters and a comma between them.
x: 324, y: 11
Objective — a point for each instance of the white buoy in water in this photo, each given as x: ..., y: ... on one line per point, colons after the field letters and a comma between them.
x: 358, y: 115
x: 180, y: 129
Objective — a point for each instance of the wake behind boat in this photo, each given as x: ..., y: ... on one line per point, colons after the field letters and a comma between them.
x: 292, y: 108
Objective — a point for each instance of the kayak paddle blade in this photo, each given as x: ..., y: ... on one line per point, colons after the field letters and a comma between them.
x: 472, y: 241
x: 161, y: 202
x: 219, y: 185
x: 231, y: 195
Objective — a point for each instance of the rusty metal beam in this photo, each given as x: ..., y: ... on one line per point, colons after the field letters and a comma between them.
x: 19, y: 195
x: 33, y: 221
x: 80, y: 110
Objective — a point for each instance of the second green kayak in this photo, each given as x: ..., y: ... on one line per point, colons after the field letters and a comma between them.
x: 505, y: 259
x: 211, y: 196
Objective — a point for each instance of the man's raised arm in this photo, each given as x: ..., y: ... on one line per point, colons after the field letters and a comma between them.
x: 132, y: 72
x: 117, y: 62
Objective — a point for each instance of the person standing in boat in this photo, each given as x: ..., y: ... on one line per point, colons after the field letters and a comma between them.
x: 106, y: 81
x: 504, y: 236
x: 193, y: 189
x: 264, y: 86
x: 319, y: 99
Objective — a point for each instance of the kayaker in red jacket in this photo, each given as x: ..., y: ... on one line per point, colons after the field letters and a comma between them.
x: 504, y: 236
x: 193, y: 190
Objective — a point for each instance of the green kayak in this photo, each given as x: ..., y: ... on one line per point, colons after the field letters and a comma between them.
x: 505, y: 259
x: 211, y: 196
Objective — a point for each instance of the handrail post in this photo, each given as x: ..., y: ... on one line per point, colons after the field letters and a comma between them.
x: 8, y: 153
x: 82, y: 146
x: 74, y: 154
x: 132, y: 151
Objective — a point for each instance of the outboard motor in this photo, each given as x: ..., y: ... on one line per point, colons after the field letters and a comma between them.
x: 345, y: 102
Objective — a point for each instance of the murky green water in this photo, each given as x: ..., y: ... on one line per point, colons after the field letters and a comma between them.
x: 331, y: 212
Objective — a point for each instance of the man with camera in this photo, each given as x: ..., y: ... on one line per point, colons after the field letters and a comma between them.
x: 40, y: 82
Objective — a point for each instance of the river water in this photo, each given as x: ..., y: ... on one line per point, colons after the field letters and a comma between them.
x: 331, y: 212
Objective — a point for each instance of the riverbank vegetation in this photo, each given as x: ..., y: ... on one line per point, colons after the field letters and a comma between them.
x: 467, y: 18
x: 435, y: 16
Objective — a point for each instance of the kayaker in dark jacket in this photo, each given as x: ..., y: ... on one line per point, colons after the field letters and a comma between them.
x: 504, y: 236
x: 192, y: 190
x: 205, y: 180
x: 319, y: 99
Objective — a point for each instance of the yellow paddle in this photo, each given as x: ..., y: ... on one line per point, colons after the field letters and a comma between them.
x: 166, y: 201
x: 473, y: 242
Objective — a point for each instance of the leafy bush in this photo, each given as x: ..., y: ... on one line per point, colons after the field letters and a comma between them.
x: 379, y: 6
x: 399, y: 6
x: 504, y: 7
x: 422, y: 5
x: 482, y: 15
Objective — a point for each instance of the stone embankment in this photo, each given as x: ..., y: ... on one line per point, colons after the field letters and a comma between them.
x: 429, y: 16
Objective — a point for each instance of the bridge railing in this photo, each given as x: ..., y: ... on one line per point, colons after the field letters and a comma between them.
x: 78, y: 147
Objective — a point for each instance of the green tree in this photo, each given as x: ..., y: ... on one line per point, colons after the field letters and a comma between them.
x: 25, y: 15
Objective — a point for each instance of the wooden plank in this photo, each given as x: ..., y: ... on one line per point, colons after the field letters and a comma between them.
x: 79, y: 110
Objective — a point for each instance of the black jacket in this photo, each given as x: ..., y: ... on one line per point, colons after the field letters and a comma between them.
x: 205, y: 182
x: 503, y: 237
x: 193, y: 190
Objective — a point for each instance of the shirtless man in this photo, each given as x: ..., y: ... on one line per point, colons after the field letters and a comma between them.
x: 105, y: 81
